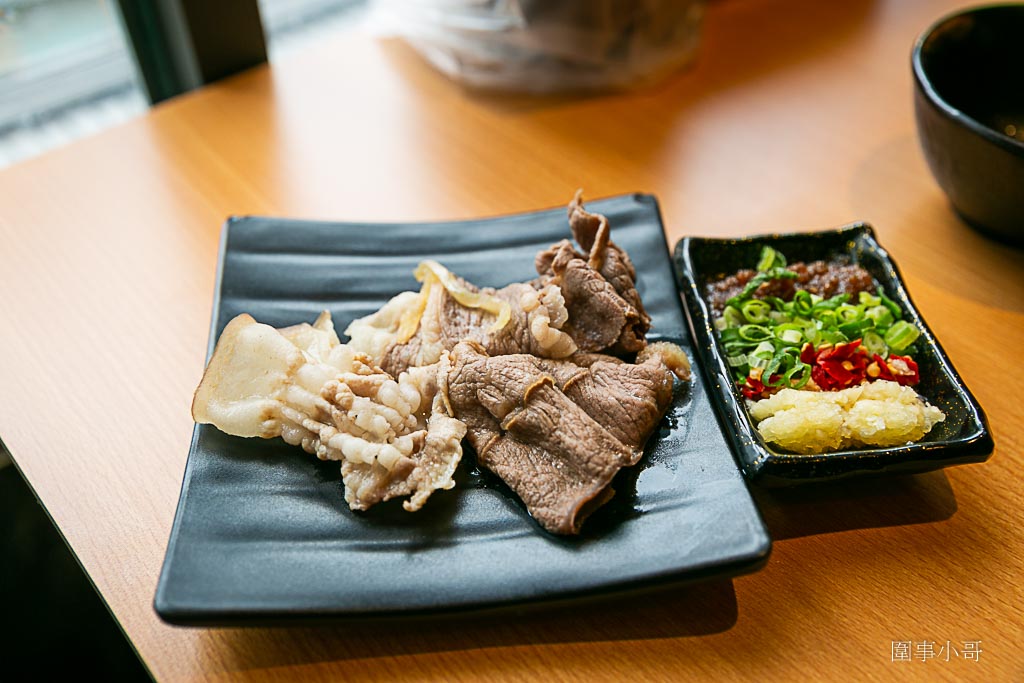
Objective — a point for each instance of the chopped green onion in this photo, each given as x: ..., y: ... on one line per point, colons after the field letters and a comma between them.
x: 827, y: 318
x: 868, y: 299
x: 875, y: 344
x: 802, y: 304
x: 802, y: 372
x: 736, y: 361
x: 755, y: 310
x: 831, y: 304
x: 770, y: 258
x: 792, y: 351
x: 901, y: 335
x: 893, y: 307
x: 735, y: 350
x: 761, y: 355
x: 881, y: 316
x: 811, y: 332
x: 754, y: 333
x: 790, y: 333
x: 846, y: 313
x: 732, y: 316
x: 854, y: 329
x: 831, y: 336
x: 792, y: 336
x: 771, y: 368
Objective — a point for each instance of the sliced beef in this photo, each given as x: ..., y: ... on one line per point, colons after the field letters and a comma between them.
x: 627, y: 398
x: 557, y: 431
x: 598, y: 285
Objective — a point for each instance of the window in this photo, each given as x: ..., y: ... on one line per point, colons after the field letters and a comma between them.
x: 56, y: 57
x: 68, y: 71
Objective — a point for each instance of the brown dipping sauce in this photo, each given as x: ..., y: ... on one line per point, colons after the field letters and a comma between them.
x: 824, y: 278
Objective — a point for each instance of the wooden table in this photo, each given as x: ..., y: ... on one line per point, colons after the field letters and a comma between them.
x: 796, y: 116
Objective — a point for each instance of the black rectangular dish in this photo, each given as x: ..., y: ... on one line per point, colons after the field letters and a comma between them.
x: 963, y: 437
x: 262, y: 532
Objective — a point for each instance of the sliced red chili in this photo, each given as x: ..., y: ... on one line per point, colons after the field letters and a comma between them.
x: 840, y: 366
x: 904, y: 369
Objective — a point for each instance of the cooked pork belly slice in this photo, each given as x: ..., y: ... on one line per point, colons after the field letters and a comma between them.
x: 302, y: 384
x: 318, y: 340
x: 557, y: 431
x: 598, y: 285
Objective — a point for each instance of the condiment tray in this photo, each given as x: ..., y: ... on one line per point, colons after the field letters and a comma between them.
x: 963, y: 437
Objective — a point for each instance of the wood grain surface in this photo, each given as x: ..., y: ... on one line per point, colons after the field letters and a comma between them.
x: 797, y: 115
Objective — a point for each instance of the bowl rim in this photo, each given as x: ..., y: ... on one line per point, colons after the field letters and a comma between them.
x: 924, y: 83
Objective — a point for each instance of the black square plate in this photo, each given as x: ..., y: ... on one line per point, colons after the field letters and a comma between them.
x: 962, y: 437
x: 262, y: 532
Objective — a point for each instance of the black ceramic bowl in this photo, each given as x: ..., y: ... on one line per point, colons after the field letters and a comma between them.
x: 969, y: 104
